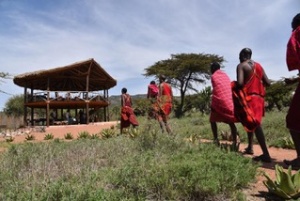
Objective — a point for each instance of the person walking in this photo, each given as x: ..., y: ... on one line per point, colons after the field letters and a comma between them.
x: 127, y: 115
x: 293, y: 115
x: 251, y: 78
x: 164, y: 102
x: 222, y: 108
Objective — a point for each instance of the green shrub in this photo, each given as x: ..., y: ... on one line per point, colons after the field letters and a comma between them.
x: 83, y: 135
x: 30, y: 137
x: 69, y: 136
x: 49, y: 136
x: 9, y: 139
x: 107, y: 133
x: 94, y: 136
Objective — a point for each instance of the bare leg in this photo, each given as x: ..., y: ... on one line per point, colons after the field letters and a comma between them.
x: 296, y: 162
x: 161, y: 124
x: 250, y: 140
x: 296, y: 138
x: 261, y: 140
x: 233, y: 132
x: 214, y: 129
x: 168, y: 128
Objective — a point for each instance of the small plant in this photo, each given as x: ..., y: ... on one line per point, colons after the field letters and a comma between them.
x: 286, y: 185
x: 10, y: 139
x: 69, y: 136
x: 30, y: 137
x: 107, y: 133
x: 286, y: 142
x: 56, y: 140
x: 94, y: 136
x: 83, y: 135
x: 133, y: 132
x: 193, y: 138
x: 49, y: 136
x: 230, y: 147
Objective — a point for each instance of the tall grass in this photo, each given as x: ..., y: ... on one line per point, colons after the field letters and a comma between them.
x: 151, y: 166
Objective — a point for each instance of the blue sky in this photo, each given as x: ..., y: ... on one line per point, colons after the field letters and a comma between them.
x: 125, y: 37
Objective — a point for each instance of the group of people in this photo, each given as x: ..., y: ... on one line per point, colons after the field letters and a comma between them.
x: 243, y: 100
x: 233, y: 101
x: 247, y: 109
x: 160, y: 97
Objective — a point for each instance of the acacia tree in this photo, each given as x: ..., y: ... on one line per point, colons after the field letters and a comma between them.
x: 184, y: 72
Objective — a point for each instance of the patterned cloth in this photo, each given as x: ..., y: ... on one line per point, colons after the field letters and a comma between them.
x: 152, y: 91
x: 127, y: 115
x: 164, y: 102
x: 293, y: 51
x: 249, y: 101
x: 222, y: 109
x: 293, y: 62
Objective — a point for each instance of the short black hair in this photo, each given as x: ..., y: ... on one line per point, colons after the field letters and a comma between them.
x: 124, y: 90
x: 152, y: 82
x: 246, y: 53
x: 296, y: 21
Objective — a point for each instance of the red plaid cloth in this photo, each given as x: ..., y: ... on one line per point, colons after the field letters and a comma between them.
x: 293, y: 51
x: 222, y: 109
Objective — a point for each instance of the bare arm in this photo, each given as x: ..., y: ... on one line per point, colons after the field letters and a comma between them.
x: 240, y: 74
x: 265, y: 79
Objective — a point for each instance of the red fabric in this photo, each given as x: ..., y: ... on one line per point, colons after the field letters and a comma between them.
x: 254, y: 84
x: 249, y: 101
x: 128, y: 117
x: 165, y: 99
x: 242, y: 109
x: 222, y: 109
x: 152, y: 91
x: 126, y: 100
x: 293, y: 51
x: 293, y: 115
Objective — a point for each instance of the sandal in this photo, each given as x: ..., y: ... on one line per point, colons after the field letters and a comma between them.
x: 294, y: 163
x: 262, y: 158
x: 248, y: 151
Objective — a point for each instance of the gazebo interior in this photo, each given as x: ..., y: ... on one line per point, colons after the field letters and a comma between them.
x: 70, y: 94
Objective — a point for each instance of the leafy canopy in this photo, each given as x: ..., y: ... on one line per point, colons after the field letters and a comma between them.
x: 184, y: 69
x: 184, y: 72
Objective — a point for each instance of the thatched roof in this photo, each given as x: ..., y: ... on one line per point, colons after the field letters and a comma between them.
x: 73, y: 77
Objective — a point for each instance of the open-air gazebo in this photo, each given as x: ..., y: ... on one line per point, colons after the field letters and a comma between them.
x: 84, y: 84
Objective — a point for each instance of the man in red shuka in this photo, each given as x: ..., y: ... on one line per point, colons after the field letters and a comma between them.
x: 164, y: 101
x: 293, y: 116
x: 251, y: 78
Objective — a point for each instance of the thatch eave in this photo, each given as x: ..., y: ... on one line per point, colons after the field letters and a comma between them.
x: 73, y: 77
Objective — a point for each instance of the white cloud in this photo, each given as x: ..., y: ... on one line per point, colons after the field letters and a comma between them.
x: 125, y: 37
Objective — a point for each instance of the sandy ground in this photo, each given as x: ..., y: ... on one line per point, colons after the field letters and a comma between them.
x: 254, y: 192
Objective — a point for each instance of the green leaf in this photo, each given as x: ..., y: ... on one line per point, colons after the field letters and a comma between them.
x: 286, y: 184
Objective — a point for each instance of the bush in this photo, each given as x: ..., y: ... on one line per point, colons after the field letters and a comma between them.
x: 49, y: 136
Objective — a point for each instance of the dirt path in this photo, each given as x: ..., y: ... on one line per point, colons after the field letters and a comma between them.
x: 255, y: 191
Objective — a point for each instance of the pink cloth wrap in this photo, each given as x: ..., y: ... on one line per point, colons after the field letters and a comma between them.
x: 222, y: 109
